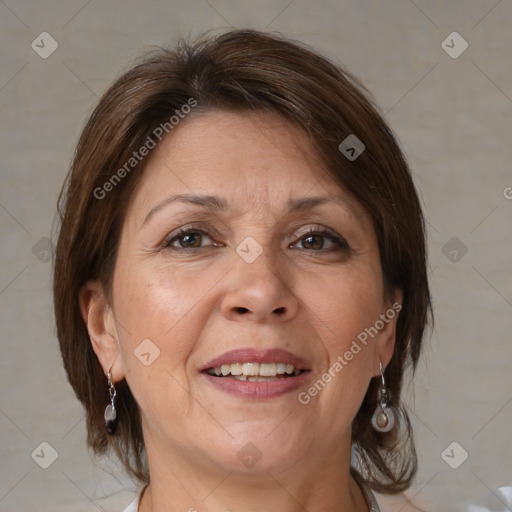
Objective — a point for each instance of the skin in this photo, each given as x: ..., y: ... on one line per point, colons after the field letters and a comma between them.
x: 308, y: 298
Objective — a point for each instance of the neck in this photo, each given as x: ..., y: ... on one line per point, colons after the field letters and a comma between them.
x: 179, y: 483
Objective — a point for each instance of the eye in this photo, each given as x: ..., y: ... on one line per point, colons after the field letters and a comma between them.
x: 314, y: 239
x: 322, y: 240
x: 188, y: 238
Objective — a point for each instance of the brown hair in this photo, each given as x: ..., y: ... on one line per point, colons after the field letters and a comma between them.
x: 240, y: 70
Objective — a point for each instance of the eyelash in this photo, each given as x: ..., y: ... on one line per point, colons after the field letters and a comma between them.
x: 341, y: 244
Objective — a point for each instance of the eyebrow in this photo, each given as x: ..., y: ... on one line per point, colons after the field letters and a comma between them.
x: 214, y: 203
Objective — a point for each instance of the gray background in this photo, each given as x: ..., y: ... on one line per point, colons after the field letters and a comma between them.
x: 453, y: 117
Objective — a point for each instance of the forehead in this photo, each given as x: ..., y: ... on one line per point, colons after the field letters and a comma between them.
x: 236, y: 156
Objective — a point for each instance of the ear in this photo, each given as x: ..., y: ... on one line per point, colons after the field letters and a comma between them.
x: 99, y: 319
x: 385, y: 344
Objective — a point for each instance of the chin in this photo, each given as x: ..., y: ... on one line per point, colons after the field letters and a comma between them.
x: 264, y: 449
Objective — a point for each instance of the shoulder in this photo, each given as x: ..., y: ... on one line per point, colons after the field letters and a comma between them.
x: 396, y: 503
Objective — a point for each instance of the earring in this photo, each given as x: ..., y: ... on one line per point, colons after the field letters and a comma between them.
x: 110, y: 411
x: 383, y: 418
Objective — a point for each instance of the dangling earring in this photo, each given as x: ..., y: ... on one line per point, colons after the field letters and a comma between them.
x: 383, y: 418
x: 110, y: 411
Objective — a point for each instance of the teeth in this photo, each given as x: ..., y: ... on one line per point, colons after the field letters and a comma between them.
x: 250, y: 368
x: 243, y: 370
x: 236, y: 369
x: 268, y: 369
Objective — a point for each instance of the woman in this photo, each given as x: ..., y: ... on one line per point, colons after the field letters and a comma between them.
x: 240, y: 281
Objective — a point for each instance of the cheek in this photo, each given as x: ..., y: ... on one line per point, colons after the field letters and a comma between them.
x: 158, y: 313
x: 162, y: 305
x: 344, y: 306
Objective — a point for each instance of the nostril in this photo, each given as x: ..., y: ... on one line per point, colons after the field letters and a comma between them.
x: 241, y: 310
x: 280, y: 311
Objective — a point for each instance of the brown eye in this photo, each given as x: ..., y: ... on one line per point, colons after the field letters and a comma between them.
x: 313, y: 242
x: 189, y: 239
x: 321, y: 240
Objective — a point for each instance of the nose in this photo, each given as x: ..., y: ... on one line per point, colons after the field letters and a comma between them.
x: 259, y: 293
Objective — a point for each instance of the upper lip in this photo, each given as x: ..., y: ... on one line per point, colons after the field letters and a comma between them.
x: 251, y: 355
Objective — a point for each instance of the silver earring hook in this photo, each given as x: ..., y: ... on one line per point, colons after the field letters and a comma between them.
x: 383, y: 418
x: 382, y: 375
x: 110, y: 414
x: 111, y: 388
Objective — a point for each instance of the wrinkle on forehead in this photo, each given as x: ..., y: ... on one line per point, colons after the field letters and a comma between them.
x: 247, y: 158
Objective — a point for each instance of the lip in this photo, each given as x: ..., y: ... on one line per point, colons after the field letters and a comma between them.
x: 257, y: 390
x: 250, y: 355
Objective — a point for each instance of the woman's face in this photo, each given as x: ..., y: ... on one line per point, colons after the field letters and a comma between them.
x: 218, y: 269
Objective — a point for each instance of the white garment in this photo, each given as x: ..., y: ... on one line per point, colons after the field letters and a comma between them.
x: 506, y: 493
x: 370, y: 500
x: 134, y: 505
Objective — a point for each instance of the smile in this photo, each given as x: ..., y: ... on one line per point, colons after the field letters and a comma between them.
x: 255, y: 372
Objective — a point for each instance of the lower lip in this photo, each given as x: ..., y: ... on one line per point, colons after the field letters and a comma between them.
x: 258, y: 390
